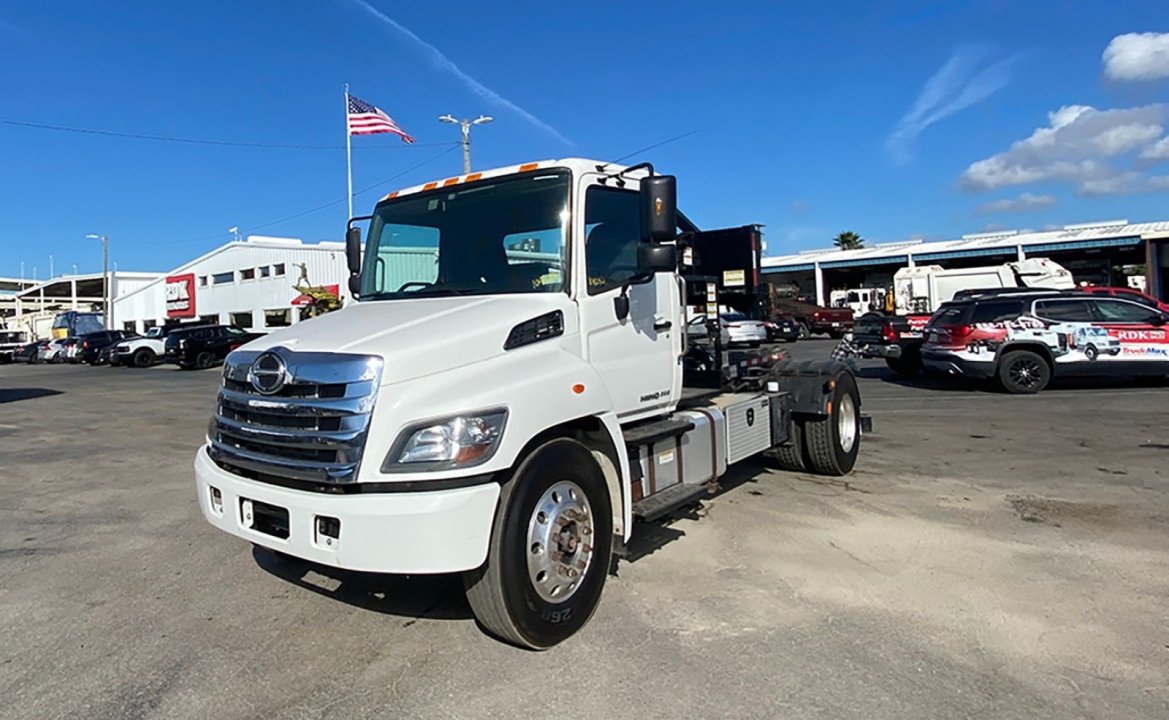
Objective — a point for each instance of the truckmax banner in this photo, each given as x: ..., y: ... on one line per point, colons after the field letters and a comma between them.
x: 180, y: 296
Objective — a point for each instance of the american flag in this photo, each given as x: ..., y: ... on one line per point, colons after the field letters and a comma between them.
x: 366, y: 119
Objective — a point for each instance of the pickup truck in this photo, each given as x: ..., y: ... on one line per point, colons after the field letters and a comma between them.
x: 895, y: 338
x: 815, y: 319
x: 140, y: 351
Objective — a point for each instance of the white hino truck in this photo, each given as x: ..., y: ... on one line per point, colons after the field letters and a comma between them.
x: 512, y: 390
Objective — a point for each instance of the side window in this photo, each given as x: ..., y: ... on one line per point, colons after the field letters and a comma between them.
x: 612, y: 234
x: 1135, y: 297
x: 996, y: 311
x: 1119, y: 311
x: 1065, y: 310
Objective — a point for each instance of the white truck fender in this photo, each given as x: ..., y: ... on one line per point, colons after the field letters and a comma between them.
x: 617, y: 477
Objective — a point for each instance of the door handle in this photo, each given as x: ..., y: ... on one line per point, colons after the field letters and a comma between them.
x: 663, y: 325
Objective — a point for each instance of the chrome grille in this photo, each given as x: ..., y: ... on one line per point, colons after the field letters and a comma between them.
x: 311, y: 428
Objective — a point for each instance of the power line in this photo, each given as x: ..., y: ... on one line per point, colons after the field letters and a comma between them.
x: 654, y: 146
x: 327, y: 205
x: 199, y: 141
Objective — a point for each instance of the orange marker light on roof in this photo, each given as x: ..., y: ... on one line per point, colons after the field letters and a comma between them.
x: 449, y: 181
x: 430, y: 186
x: 474, y: 176
x: 393, y: 194
x: 529, y: 166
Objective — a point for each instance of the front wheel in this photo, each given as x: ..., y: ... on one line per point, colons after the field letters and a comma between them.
x: 204, y: 360
x: 143, y: 357
x: 1023, y: 372
x: 550, y: 549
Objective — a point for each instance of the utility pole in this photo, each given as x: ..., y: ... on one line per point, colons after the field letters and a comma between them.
x: 105, y: 279
x: 466, y: 124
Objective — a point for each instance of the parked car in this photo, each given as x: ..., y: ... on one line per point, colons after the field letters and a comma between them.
x: 90, y: 345
x: 782, y: 329
x: 104, y: 355
x: 143, y: 351
x: 1024, y: 340
x: 814, y: 319
x: 743, y: 330
x: 1126, y: 293
x: 28, y: 353
x: 51, y: 351
x: 205, y: 346
x: 697, y: 331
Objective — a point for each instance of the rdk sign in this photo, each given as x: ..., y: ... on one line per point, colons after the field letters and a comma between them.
x: 180, y: 296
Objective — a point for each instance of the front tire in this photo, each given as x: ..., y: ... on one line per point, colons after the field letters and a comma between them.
x: 550, y: 549
x: 1023, y: 372
x: 832, y: 443
x: 804, y: 332
x: 204, y: 360
x: 143, y: 358
x: 1091, y: 352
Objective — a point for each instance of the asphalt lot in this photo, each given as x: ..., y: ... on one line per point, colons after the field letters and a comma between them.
x: 993, y: 556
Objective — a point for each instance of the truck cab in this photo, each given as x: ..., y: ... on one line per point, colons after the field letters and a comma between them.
x: 506, y: 396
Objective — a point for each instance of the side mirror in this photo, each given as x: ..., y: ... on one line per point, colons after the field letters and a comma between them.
x: 659, y: 208
x: 355, y: 285
x: 1159, y: 320
x: 654, y: 258
x: 353, y: 249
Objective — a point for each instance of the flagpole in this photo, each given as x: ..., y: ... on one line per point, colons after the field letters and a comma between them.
x: 348, y: 153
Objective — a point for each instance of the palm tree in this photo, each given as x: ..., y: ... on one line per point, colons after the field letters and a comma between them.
x: 849, y: 240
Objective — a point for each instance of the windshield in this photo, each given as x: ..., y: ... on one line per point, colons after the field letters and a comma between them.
x: 501, y: 236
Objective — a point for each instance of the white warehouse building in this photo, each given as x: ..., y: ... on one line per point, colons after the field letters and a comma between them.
x: 247, y: 283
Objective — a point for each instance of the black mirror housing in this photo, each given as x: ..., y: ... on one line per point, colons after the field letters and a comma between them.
x: 659, y: 208
x: 353, y: 249
x: 655, y: 258
x: 355, y: 285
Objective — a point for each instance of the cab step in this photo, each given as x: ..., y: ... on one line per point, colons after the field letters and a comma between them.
x: 650, y: 432
x: 666, y: 501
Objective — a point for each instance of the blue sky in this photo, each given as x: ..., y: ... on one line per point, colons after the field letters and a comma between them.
x: 890, y: 119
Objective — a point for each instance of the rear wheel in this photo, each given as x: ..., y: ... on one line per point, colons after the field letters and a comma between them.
x: 832, y: 442
x: 790, y: 457
x: 550, y: 549
x: 1023, y: 372
x: 204, y: 360
x: 804, y: 333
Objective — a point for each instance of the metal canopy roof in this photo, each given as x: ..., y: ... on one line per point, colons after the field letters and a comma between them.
x: 1070, y: 237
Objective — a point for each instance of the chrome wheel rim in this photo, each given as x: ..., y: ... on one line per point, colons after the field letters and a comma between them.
x: 846, y: 424
x: 560, y: 542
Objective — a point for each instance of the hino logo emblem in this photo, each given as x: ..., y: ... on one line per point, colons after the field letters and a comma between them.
x: 268, y: 374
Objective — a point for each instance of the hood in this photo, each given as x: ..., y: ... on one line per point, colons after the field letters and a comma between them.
x: 419, y: 337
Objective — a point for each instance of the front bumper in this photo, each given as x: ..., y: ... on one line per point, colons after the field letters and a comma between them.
x: 952, y: 364
x: 424, y: 532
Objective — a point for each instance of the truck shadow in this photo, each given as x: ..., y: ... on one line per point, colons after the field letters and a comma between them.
x: 434, y: 597
x: 8, y: 395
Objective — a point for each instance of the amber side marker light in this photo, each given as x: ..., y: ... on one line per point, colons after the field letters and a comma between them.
x: 578, y: 388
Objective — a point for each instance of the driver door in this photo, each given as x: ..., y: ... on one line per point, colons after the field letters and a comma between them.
x: 638, y: 357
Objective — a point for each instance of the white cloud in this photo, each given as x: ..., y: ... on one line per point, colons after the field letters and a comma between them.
x: 1137, y: 56
x: 1157, y: 151
x: 1080, y: 145
x: 957, y: 85
x: 442, y: 62
x: 1027, y: 202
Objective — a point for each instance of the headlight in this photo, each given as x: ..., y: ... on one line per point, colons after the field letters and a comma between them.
x: 455, y: 442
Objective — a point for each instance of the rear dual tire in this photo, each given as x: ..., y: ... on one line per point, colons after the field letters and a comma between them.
x: 550, y: 549
x: 826, y: 444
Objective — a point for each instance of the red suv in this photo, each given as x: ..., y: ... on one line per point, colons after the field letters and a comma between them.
x: 1125, y: 293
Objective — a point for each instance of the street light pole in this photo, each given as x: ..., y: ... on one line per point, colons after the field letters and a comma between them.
x: 466, y: 124
x: 105, y: 279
